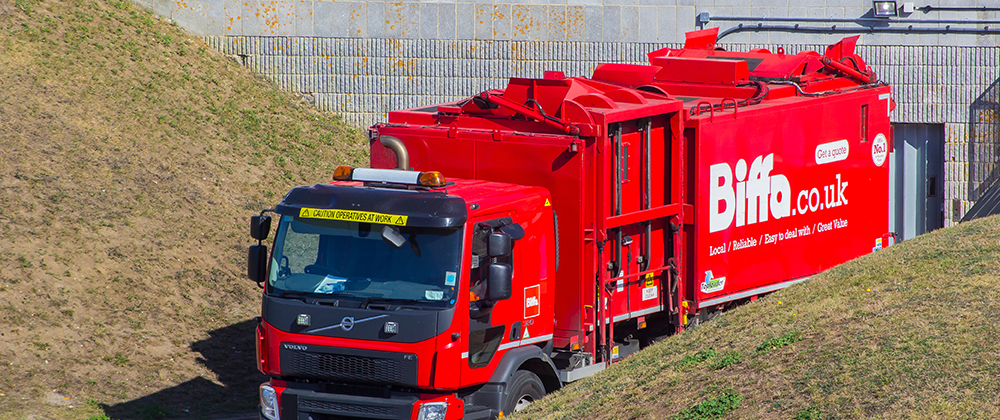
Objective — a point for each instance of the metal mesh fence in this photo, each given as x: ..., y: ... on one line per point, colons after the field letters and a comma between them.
x: 984, y: 141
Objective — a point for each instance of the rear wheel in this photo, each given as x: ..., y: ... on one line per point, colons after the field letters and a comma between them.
x: 523, y: 389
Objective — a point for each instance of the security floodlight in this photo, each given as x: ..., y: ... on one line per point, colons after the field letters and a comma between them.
x: 884, y: 9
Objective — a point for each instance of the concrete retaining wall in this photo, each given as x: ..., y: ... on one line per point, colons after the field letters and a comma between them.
x: 361, y: 59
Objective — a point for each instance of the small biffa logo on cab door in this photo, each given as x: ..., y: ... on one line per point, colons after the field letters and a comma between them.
x: 712, y: 284
x: 532, y: 301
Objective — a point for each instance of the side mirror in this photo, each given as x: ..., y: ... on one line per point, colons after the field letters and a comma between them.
x: 500, y: 280
x: 257, y: 263
x: 500, y: 245
x: 260, y: 227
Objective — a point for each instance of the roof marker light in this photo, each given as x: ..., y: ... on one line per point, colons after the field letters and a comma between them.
x: 385, y: 176
x: 343, y: 173
x: 431, y: 179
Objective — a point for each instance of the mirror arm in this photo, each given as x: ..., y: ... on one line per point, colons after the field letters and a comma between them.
x: 260, y: 285
x: 259, y: 242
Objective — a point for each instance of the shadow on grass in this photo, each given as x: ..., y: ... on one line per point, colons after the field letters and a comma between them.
x: 229, y: 353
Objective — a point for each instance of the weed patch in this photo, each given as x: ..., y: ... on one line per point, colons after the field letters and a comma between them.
x: 781, y: 341
x: 809, y: 413
x: 712, y: 408
x: 700, y: 356
x: 26, y: 6
x: 118, y: 360
x: 728, y: 359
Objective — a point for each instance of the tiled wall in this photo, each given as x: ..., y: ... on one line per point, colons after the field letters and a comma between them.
x: 550, y: 20
x: 362, y: 78
x: 361, y: 59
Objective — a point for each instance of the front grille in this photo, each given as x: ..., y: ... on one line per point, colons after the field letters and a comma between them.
x: 330, y: 407
x: 350, y: 365
x: 348, y: 368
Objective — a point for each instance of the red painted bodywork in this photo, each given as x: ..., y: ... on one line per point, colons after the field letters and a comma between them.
x: 656, y: 161
x: 706, y: 107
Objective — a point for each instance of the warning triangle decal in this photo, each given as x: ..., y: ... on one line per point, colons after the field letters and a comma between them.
x: 525, y: 333
x: 548, y: 203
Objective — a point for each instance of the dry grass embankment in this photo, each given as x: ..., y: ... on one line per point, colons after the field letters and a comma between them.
x: 912, y: 331
x: 131, y: 156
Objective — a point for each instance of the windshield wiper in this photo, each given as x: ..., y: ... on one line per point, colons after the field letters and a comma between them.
x: 368, y: 301
x: 291, y: 294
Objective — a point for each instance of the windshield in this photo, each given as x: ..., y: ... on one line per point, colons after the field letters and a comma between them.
x: 332, y: 258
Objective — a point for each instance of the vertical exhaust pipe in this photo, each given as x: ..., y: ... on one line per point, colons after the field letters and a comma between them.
x: 399, y: 149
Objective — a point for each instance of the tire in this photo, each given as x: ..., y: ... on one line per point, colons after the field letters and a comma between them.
x: 523, y: 389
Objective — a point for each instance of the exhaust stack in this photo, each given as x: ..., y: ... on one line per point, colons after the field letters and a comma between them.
x: 399, y: 149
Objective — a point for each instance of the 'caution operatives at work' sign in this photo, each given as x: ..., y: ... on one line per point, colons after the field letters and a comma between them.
x: 354, y: 216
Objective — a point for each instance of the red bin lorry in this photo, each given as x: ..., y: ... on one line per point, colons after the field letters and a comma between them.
x: 506, y: 244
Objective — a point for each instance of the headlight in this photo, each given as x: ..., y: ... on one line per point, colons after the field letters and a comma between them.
x: 432, y: 411
x: 269, y: 403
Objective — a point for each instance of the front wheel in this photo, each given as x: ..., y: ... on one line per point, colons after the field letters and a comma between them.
x: 523, y: 389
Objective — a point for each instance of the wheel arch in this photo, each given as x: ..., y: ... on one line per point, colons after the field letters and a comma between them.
x: 532, y: 359
x: 545, y: 372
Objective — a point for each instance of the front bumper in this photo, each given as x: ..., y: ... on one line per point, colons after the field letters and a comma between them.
x: 306, y: 404
x: 295, y: 402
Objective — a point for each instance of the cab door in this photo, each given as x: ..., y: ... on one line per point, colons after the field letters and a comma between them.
x: 491, y: 324
x: 485, y: 332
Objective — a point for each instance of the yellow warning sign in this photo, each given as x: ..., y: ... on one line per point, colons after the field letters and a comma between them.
x: 649, y: 280
x: 548, y: 203
x: 354, y: 216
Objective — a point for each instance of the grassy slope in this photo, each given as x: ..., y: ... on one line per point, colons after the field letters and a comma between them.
x: 908, y: 332
x: 130, y: 158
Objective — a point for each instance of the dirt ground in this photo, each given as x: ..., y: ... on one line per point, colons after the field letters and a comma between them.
x: 131, y: 157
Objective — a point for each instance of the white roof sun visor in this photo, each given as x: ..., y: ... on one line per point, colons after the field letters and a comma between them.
x: 390, y: 176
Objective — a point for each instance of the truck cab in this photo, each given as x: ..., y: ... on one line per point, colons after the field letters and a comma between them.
x: 397, y: 294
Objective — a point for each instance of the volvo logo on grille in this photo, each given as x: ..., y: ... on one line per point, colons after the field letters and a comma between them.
x: 295, y: 346
x: 347, y: 323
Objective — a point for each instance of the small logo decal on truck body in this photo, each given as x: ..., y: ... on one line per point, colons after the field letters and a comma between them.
x: 532, y: 301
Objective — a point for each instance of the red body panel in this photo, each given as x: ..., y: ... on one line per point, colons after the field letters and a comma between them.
x: 705, y: 111
x: 572, y: 179
x: 838, y: 195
